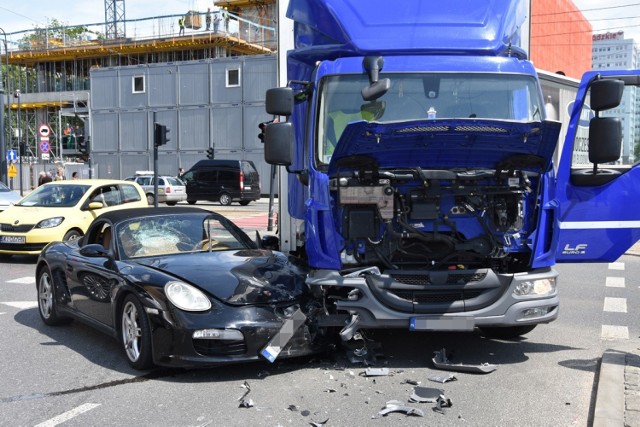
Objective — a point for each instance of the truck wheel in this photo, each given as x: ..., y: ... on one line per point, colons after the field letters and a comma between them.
x: 225, y: 199
x: 506, y: 333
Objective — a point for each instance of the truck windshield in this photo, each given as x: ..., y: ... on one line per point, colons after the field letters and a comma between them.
x: 415, y: 96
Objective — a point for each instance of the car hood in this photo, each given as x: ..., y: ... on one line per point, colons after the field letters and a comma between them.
x: 248, y: 276
x: 446, y: 143
x: 16, y: 215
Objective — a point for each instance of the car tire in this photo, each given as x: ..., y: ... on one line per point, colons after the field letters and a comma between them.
x: 72, y: 235
x: 506, y: 333
x: 150, y: 199
x: 192, y: 202
x: 47, y: 299
x: 225, y: 199
x: 171, y: 203
x: 244, y: 202
x: 135, y: 333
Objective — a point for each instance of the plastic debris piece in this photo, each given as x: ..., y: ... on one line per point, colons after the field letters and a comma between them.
x: 284, y: 335
x: 443, y: 378
x: 244, y: 402
x: 441, y: 361
x: 376, y: 372
x: 305, y: 413
x: 293, y: 408
x: 318, y: 424
x: 330, y: 390
x: 441, y: 403
x: 398, y: 406
x: 425, y: 395
x: 410, y: 381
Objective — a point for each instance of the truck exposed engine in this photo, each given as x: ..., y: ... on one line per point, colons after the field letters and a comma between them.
x: 421, y: 181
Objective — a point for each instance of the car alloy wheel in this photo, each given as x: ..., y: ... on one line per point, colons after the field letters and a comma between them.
x: 46, y: 299
x: 225, y: 199
x: 136, y: 334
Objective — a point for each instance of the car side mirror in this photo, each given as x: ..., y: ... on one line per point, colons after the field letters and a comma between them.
x: 95, y: 250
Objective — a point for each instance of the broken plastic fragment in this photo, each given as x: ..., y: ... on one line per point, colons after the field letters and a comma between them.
x: 293, y: 408
x: 284, y: 335
x: 318, y: 423
x: 410, y: 381
x: 398, y: 406
x: 441, y: 403
x: 376, y: 372
x: 441, y: 361
x: 245, y: 403
x: 425, y: 395
x: 443, y: 378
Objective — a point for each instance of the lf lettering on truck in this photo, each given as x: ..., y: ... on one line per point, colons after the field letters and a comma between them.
x: 421, y: 184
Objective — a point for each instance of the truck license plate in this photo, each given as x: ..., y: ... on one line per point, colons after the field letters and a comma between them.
x: 441, y: 324
x: 12, y: 239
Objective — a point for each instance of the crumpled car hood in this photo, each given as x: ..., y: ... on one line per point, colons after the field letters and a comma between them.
x: 248, y: 276
x: 446, y: 143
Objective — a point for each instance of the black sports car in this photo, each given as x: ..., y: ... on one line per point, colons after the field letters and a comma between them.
x: 179, y: 287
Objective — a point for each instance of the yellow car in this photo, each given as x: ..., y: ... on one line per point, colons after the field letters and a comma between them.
x: 62, y: 210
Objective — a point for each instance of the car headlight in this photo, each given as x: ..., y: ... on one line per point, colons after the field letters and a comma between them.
x: 187, y: 297
x: 536, y: 288
x: 50, y: 222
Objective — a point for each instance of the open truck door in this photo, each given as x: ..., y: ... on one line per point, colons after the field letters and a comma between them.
x: 596, y: 206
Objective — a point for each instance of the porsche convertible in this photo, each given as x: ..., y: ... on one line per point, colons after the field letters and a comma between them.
x: 179, y: 287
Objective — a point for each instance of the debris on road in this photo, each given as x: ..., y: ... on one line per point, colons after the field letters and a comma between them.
x: 443, y: 378
x: 425, y: 395
x: 244, y: 402
x: 398, y: 406
x: 441, y: 361
x: 441, y: 403
x: 376, y: 372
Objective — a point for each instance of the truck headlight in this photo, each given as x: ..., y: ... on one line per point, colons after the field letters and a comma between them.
x: 536, y: 288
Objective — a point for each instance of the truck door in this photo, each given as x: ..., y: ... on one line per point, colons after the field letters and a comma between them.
x: 596, y: 206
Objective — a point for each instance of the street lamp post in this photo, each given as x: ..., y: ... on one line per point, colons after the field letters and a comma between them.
x: 16, y: 94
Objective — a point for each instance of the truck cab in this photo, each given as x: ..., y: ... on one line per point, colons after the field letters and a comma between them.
x: 421, y: 167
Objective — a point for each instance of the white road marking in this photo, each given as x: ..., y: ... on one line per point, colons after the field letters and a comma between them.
x: 612, y: 332
x: 615, y: 305
x: 616, y: 266
x: 68, y: 415
x: 615, y: 282
x: 22, y: 305
x: 29, y: 280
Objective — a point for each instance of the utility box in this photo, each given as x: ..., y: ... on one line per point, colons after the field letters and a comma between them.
x: 193, y: 20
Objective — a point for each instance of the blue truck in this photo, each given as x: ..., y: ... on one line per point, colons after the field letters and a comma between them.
x: 421, y: 184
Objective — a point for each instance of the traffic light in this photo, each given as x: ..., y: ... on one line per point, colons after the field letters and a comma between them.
x: 23, y: 149
x: 263, y: 126
x: 210, y: 154
x: 160, y: 134
x: 83, y: 147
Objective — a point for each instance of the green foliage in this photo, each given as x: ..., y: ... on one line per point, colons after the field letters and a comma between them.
x: 56, y: 31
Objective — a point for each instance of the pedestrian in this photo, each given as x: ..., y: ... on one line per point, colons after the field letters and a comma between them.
x: 75, y: 175
x: 216, y: 22
x: 60, y: 175
x: 207, y: 18
x: 181, y: 25
x: 180, y: 172
x: 44, y: 177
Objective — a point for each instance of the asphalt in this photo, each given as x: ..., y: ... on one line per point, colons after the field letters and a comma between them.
x: 618, y: 390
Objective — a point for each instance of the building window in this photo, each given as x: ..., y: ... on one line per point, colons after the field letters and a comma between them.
x: 233, y: 77
x: 138, y: 84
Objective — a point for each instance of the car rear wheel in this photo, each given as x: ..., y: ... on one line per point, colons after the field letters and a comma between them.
x: 47, y: 300
x: 151, y: 199
x: 72, y: 235
x: 506, y: 333
x: 244, y: 202
x: 225, y: 199
x: 136, y: 333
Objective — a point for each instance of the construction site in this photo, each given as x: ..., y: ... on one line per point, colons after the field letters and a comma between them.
x: 87, y: 95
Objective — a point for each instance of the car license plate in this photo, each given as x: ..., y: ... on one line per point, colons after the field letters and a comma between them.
x: 441, y: 323
x: 247, y: 187
x: 12, y: 239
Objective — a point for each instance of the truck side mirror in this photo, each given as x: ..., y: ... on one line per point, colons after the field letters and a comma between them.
x: 278, y: 144
x: 606, y: 94
x: 279, y: 101
x: 605, y: 139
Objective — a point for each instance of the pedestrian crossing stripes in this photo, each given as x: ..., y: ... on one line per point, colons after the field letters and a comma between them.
x: 615, y: 305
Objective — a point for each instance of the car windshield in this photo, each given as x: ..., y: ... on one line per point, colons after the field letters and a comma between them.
x: 3, y: 188
x: 55, y: 195
x: 416, y: 96
x: 180, y: 233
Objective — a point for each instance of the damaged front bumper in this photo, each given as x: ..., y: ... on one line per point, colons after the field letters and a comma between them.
x: 460, y: 300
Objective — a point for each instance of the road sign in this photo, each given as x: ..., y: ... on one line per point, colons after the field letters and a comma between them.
x: 44, y: 146
x: 44, y: 130
x: 13, y: 172
x: 12, y: 155
x: 45, y: 156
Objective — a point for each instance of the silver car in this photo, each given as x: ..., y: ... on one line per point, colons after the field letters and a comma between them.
x: 8, y: 197
x: 171, y: 190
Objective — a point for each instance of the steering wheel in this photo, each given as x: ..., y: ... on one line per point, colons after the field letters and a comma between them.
x: 204, y: 244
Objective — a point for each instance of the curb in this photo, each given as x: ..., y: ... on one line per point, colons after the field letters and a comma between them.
x: 610, y: 400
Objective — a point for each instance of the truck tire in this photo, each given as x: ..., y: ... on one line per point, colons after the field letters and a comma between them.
x: 506, y: 333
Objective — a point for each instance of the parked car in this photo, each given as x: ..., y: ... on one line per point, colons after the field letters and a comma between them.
x: 225, y: 181
x: 177, y: 287
x: 62, y: 210
x: 7, y: 197
x: 171, y: 190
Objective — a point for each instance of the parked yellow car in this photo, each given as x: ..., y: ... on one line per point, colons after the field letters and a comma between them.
x: 62, y: 210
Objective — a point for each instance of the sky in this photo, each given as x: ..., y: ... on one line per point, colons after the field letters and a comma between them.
x: 16, y: 15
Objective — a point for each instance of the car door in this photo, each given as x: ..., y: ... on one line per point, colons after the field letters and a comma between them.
x: 596, y: 207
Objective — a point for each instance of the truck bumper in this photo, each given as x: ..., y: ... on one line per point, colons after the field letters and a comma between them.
x: 503, y: 310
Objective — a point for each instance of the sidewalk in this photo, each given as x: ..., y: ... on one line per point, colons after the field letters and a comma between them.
x: 618, y: 393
